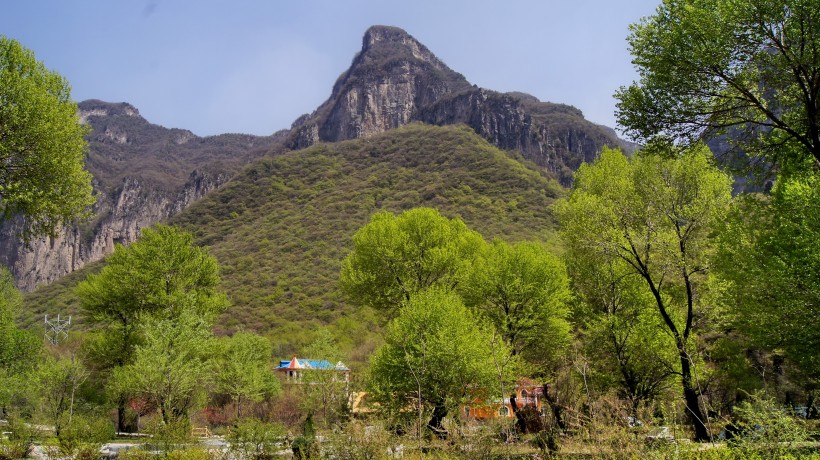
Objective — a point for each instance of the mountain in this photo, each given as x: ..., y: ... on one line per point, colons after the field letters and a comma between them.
x: 281, y: 227
x: 142, y: 174
x: 395, y: 80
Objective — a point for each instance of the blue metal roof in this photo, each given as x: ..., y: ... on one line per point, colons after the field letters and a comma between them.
x: 313, y: 364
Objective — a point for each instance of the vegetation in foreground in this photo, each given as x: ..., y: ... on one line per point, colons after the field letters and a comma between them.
x: 675, y: 312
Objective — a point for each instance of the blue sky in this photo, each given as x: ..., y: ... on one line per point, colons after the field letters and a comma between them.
x: 254, y: 66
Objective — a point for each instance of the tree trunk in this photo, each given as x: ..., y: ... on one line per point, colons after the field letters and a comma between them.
x: 519, y: 417
x: 690, y: 397
x: 439, y: 412
x: 556, y: 409
x: 121, y: 416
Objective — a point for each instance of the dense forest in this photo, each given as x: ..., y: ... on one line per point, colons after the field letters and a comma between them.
x: 421, y: 293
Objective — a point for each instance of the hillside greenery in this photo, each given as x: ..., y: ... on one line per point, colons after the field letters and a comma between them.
x: 281, y: 228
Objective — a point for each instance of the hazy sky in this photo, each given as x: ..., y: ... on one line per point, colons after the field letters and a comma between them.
x: 254, y: 66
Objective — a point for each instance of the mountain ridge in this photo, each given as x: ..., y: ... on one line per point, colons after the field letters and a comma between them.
x: 145, y: 173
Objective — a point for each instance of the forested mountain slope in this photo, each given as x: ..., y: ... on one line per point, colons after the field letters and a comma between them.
x: 281, y: 227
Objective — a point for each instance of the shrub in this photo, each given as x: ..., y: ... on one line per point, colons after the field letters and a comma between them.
x: 254, y: 439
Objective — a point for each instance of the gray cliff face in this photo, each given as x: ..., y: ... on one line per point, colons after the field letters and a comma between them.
x: 143, y: 174
x: 119, y: 220
x: 395, y: 80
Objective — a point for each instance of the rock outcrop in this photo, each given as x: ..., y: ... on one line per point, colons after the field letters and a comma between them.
x: 395, y: 80
x: 143, y: 174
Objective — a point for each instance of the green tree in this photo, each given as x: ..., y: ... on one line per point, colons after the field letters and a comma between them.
x: 59, y: 378
x: 706, y: 66
x: 42, y: 150
x: 436, y: 355
x: 19, y: 349
x: 172, y: 368
x: 656, y: 213
x: 620, y: 328
x: 523, y: 290
x: 327, y: 388
x: 394, y: 257
x: 243, y: 369
x: 163, y: 274
x: 770, y: 256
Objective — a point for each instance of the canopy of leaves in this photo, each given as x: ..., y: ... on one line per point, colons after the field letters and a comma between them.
x: 770, y: 254
x: 171, y: 369
x: 708, y: 65
x: 523, y: 290
x: 395, y: 257
x: 243, y: 369
x: 436, y: 351
x: 41, y: 143
x: 161, y: 274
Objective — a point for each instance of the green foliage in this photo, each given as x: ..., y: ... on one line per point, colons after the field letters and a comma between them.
x: 327, y: 392
x: 523, y: 290
x: 707, y: 65
x: 171, y: 369
x: 762, y: 424
x: 254, y: 439
x: 296, y: 213
x: 656, y: 214
x: 163, y: 281
x: 395, y: 257
x: 168, y: 436
x: 42, y: 148
x: 437, y: 355
x: 20, y: 440
x: 83, y: 432
x: 770, y: 256
x: 19, y: 349
x: 161, y: 274
x: 243, y: 369
x: 619, y: 327
x: 59, y: 379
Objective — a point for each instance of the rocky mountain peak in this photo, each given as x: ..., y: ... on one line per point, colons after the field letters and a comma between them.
x: 395, y: 80
x: 393, y: 39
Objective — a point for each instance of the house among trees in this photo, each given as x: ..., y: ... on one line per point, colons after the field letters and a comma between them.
x: 298, y: 371
x: 527, y: 394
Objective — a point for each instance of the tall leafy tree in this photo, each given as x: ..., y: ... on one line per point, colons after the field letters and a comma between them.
x: 620, y: 328
x: 243, y: 369
x: 326, y: 391
x: 19, y: 349
x: 709, y: 65
x: 394, y: 257
x: 770, y: 255
x: 656, y: 213
x: 437, y: 355
x: 172, y: 368
x: 163, y: 275
x: 42, y: 150
x: 523, y: 290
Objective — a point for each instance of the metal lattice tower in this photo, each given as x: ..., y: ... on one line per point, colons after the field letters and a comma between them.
x: 57, y: 329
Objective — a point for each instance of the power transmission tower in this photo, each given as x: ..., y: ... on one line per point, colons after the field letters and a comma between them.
x: 57, y: 329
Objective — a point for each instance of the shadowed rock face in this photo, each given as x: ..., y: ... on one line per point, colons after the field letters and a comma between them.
x: 143, y: 174
x: 395, y: 80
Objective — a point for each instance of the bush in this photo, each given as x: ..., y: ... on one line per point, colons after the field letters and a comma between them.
x: 760, y: 423
x: 254, y: 439
x: 168, y: 437
x: 305, y: 447
x: 83, y: 434
x: 20, y: 441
